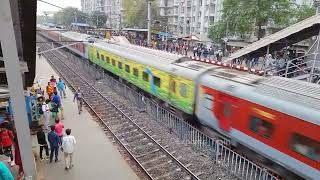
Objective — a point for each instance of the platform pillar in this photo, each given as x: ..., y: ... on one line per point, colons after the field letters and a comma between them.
x: 15, y: 83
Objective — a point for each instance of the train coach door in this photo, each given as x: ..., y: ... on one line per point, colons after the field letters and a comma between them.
x: 226, y: 111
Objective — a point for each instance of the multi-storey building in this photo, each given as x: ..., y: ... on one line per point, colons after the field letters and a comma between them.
x: 303, y: 2
x: 112, y: 9
x: 89, y: 6
x: 191, y: 16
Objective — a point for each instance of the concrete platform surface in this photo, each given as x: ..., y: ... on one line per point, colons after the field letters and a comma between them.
x: 95, y: 157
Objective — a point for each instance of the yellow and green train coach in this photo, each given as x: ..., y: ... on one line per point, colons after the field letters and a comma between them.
x: 156, y: 74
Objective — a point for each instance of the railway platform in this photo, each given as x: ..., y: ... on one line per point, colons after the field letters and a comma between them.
x: 95, y: 157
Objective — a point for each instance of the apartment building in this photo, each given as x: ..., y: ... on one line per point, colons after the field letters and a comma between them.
x: 303, y: 2
x: 112, y: 8
x: 190, y: 16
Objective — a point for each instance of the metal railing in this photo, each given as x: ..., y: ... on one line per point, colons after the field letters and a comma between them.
x: 219, y: 151
x: 302, y: 68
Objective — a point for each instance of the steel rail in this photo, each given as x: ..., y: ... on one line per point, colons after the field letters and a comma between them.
x: 126, y: 116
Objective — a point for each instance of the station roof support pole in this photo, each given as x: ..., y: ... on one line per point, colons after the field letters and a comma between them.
x: 14, y: 78
x: 149, y: 23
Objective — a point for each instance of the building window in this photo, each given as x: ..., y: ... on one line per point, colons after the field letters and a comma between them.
x: 102, y: 57
x: 108, y: 59
x: 135, y: 72
x: 127, y: 68
x: 145, y: 76
x: 183, y: 90
x: 113, y: 62
x: 98, y: 55
x: 306, y: 146
x: 208, y: 101
x: 156, y: 81
x: 120, y: 65
x: 261, y: 127
x: 173, y: 86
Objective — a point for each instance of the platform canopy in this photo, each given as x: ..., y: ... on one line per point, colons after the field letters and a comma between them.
x: 295, y: 33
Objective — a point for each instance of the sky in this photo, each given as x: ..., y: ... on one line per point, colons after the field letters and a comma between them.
x: 42, y: 7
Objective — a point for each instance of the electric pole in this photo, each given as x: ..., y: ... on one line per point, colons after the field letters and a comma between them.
x: 149, y: 23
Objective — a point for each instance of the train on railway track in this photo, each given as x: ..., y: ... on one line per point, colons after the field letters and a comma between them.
x: 275, y: 119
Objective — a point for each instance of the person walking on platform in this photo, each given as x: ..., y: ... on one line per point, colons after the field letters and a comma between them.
x: 61, y: 88
x: 57, y: 100
x: 79, y: 97
x: 59, y: 129
x: 53, y: 139
x: 53, y: 81
x: 68, y: 143
x: 41, y: 136
x: 46, y: 113
x: 6, y: 142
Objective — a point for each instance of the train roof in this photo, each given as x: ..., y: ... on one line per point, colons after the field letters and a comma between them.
x: 75, y: 35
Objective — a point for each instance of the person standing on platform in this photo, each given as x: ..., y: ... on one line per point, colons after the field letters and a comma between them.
x: 5, y: 173
x: 68, y: 143
x: 41, y: 136
x: 59, y: 129
x: 50, y: 90
x: 46, y: 113
x: 61, y: 88
x: 53, y: 139
x: 79, y: 97
x: 57, y: 100
x: 6, y: 142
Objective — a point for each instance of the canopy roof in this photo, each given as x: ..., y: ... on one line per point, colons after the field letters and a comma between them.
x: 288, y: 36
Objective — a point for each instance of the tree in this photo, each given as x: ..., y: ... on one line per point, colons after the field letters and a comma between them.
x: 136, y: 13
x: 98, y: 19
x: 69, y: 15
x: 304, y: 11
x: 244, y: 17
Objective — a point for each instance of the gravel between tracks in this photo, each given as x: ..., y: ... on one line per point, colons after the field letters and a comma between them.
x: 199, y: 162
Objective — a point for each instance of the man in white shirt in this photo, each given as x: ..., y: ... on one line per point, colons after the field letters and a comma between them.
x: 46, y: 113
x: 68, y: 143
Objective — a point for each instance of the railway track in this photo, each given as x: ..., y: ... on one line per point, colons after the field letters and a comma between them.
x: 155, y: 161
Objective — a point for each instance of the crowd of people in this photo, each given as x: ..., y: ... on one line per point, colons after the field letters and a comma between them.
x: 10, y: 159
x: 51, y: 135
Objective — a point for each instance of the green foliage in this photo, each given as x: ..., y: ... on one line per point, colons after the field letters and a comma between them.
x: 69, y: 15
x: 217, y: 31
x: 98, y: 19
x: 303, y: 12
x: 244, y: 17
x: 136, y: 13
x: 44, y: 19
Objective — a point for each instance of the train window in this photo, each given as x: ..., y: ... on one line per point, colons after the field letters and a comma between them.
x: 306, y: 146
x: 98, y: 55
x: 127, y: 68
x: 156, y: 81
x: 135, y: 72
x: 183, y: 90
x: 108, y: 59
x: 120, y: 65
x: 227, y: 109
x: 173, y: 86
x: 145, y: 76
x: 208, y: 101
x: 261, y: 127
x: 102, y: 57
x: 113, y: 62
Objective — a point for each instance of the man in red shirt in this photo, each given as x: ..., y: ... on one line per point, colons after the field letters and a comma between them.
x: 6, y: 137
